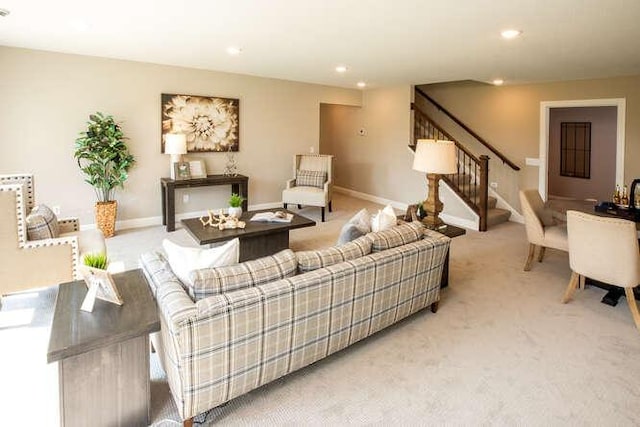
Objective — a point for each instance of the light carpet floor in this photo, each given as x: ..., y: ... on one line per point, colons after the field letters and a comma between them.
x: 502, y: 350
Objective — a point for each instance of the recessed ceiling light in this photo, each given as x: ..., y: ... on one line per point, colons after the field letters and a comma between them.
x: 497, y: 82
x: 510, y: 34
x: 341, y: 68
x: 4, y: 12
x: 233, y: 50
x: 361, y: 84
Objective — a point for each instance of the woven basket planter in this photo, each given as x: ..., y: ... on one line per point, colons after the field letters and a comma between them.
x: 106, y: 217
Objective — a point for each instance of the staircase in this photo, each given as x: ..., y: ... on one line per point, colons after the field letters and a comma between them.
x: 470, y: 183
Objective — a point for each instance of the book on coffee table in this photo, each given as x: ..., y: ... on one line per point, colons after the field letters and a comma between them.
x: 277, y: 216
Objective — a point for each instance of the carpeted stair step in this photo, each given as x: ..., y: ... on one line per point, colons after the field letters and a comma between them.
x: 496, y: 216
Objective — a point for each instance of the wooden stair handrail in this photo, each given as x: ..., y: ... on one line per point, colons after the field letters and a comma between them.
x: 469, y: 130
x: 478, y: 167
x: 417, y: 109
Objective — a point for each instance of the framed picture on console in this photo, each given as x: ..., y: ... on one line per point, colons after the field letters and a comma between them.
x: 211, y: 124
x: 197, y: 168
x: 181, y: 171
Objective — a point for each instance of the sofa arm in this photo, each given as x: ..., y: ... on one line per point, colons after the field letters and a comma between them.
x: 173, y: 302
x: 291, y: 183
x: 68, y: 225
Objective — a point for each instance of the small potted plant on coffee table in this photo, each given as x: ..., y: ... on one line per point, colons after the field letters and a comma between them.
x: 235, y: 205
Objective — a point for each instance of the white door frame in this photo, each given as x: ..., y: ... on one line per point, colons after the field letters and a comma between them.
x: 545, y: 106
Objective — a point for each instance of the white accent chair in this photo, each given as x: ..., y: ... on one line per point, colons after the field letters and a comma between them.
x: 28, y: 264
x: 543, y: 230
x: 319, y: 195
x: 606, y: 250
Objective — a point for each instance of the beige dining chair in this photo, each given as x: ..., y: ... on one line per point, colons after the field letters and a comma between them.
x: 606, y: 250
x: 542, y: 229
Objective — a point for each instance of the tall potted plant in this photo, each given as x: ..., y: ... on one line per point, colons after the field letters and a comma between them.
x: 104, y: 158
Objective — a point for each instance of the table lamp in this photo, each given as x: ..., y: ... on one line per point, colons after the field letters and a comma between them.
x: 435, y: 157
x: 176, y: 145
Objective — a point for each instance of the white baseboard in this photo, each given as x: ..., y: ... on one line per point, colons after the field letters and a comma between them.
x: 459, y: 222
x: 370, y: 198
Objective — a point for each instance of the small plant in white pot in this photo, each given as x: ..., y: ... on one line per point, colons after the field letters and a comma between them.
x: 235, y: 205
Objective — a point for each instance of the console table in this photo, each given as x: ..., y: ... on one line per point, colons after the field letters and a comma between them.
x: 103, y: 356
x: 239, y: 185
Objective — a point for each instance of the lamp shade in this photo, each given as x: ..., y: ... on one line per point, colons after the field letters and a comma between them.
x: 434, y: 156
x: 175, y: 143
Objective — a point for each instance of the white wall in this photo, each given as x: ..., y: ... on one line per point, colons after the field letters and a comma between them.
x: 47, y: 97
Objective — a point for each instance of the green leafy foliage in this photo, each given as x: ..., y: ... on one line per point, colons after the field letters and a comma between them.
x: 103, y: 156
x: 235, y: 201
x: 96, y: 260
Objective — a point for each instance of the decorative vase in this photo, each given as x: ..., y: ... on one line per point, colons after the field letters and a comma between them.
x: 235, y: 212
x: 106, y: 217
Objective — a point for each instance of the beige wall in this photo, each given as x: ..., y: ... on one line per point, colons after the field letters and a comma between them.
x: 509, y: 117
x: 378, y: 163
x: 47, y: 97
x: 602, y: 178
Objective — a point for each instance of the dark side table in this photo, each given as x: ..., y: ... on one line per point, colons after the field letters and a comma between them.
x: 450, y: 231
x: 103, y: 356
x: 239, y: 185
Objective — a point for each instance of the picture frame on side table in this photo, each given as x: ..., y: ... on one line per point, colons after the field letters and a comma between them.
x: 181, y: 171
x: 101, y: 286
x: 197, y: 168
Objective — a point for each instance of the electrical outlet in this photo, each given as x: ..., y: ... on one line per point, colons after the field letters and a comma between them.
x: 185, y: 198
x: 362, y: 132
x: 494, y: 185
x: 312, y: 149
x: 56, y: 209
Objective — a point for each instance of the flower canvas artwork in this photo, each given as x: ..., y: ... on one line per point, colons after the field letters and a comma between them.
x: 209, y: 123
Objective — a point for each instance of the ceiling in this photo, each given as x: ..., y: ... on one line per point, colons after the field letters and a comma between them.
x: 382, y: 42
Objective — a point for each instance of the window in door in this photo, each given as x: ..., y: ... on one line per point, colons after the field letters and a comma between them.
x: 575, y: 149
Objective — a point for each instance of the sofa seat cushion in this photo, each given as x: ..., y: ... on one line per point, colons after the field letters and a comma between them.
x: 89, y: 242
x: 396, y: 236
x: 212, y: 281
x: 312, y: 260
x: 312, y: 196
x: 42, y: 223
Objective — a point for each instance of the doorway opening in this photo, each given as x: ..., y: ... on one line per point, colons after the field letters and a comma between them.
x: 550, y: 158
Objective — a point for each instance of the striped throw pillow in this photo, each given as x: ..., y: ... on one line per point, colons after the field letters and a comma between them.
x: 306, y: 178
x: 396, y: 236
x: 42, y: 223
x: 213, y: 281
x: 312, y: 260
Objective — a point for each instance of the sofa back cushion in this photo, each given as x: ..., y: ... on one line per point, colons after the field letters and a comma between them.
x: 396, y: 236
x: 312, y: 260
x: 42, y: 223
x: 212, y: 281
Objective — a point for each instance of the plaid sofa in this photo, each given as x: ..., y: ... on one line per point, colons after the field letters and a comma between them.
x: 228, y: 344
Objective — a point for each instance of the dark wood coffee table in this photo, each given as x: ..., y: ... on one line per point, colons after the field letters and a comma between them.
x: 257, y: 239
